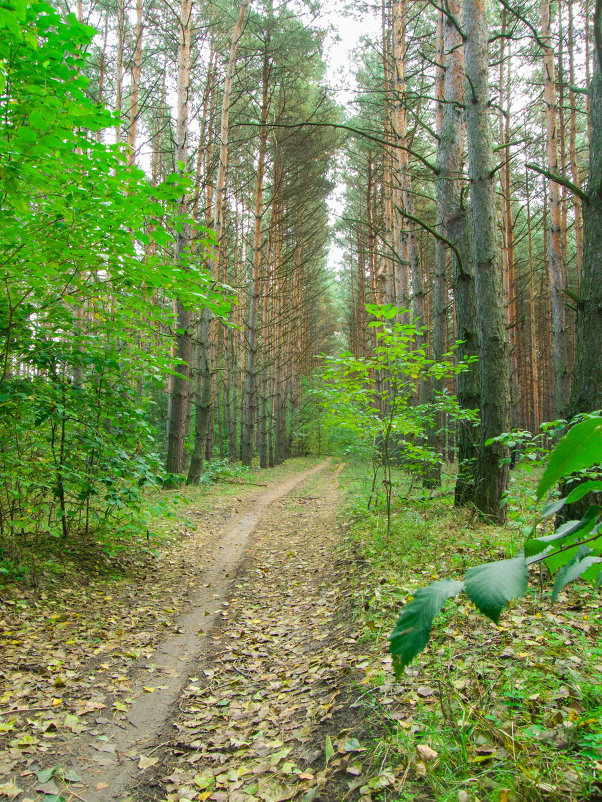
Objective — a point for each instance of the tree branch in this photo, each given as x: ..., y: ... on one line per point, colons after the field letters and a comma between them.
x: 531, y: 27
x: 559, y: 180
x: 352, y: 130
x: 444, y: 9
x: 435, y: 234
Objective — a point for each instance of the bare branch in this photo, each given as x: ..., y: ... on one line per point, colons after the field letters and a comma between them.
x: 564, y: 182
x: 435, y: 234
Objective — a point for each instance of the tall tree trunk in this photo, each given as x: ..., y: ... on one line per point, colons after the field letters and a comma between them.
x: 224, y: 124
x: 135, y: 87
x: 453, y: 216
x: 206, y: 381
x: 556, y: 265
x: 250, y: 393
x: 492, y: 474
x: 587, y: 383
x: 534, y: 419
x: 573, y: 144
x: 119, y: 65
x: 181, y: 382
x: 586, y: 393
x: 402, y: 179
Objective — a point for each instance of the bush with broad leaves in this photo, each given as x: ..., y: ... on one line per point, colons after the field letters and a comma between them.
x: 573, y: 551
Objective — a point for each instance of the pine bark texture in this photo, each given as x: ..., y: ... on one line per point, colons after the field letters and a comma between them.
x: 556, y: 262
x: 453, y: 215
x: 180, y: 391
x: 491, y: 474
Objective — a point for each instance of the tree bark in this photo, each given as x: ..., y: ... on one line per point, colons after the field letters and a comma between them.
x: 491, y: 474
x: 556, y: 264
x: 250, y: 393
x: 181, y: 382
x: 454, y: 218
x: 135, y: 88
x: 587, y: 382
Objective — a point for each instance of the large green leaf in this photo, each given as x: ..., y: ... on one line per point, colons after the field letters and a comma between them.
x: 414, y: 625
x: 491, y: 585
x: 574, y: 569
x: 586, y: 530
x: 580, y: 448
x: 582, y: 490
x: 570, y: 531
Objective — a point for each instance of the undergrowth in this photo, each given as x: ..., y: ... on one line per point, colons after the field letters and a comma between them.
x: 35, y: 560
x: 499, y: 713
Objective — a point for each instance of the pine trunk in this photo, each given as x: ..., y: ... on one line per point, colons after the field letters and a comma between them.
x: 492, y: 473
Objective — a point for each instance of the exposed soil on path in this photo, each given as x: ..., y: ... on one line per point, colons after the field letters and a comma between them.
x: 242, y: 701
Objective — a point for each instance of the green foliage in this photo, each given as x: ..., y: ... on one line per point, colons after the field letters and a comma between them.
x: 573, y: 551
x: 413, y: 629
x: 530, y: 449
x: 88, y: 274
x: 374, y: 398
x: 219, y: 469
x: 579, y: 449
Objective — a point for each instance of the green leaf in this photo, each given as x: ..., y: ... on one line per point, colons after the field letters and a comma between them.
x: 574, y: 569
x: 552, y: 507
x: 329, y: 748
x: 579, y: 531
x: 535, y: 549
x: 564, y: 534
x: 580, y: 448
x: 490, y: 586
x: 583, y: 489
x: 44, y: 775
x: 413, y: 628
x: 353, y: 745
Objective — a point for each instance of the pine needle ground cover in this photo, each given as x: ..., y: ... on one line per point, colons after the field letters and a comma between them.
x: 500, y: 713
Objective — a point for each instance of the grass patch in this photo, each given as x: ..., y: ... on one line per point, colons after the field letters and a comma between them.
x: 513, y: 712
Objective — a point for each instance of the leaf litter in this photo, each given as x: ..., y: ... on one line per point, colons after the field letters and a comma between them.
x: 268, y: 715
x: 70, y: 654
x: 296, y: 682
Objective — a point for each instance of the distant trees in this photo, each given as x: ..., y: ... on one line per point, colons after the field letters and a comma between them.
x: 463, y: 208
x: 525, y: 246
x: 234, y: 72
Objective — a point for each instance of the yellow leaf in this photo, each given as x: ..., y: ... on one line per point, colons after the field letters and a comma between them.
x: 10, y: 789
x: 147, y: 762
x: 425, y: 752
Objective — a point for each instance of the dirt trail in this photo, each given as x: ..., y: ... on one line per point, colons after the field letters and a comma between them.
x: 109, y: 763
x: 268, y: 716
x: 244, y: 702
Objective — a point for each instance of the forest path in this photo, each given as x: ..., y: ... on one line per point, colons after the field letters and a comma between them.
x: 245, y: 685
x: 173, y: 661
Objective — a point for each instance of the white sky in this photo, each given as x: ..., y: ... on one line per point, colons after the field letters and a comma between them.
x: 343, y: 38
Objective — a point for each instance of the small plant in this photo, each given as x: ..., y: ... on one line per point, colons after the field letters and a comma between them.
x: 373, y: 398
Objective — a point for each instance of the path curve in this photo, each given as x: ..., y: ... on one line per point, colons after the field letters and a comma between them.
x: 109, y: 771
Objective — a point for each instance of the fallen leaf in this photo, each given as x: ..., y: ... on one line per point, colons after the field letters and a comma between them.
x: 353, y: 745
x: 426, y: 753
x: 147, y: 762
x: 10, y: 789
